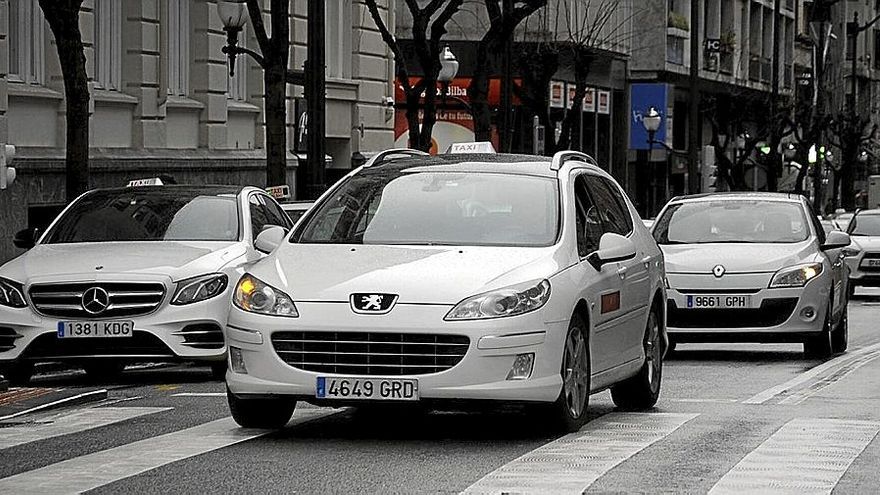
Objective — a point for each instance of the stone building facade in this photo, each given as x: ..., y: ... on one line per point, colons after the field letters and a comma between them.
x: 162, y: 100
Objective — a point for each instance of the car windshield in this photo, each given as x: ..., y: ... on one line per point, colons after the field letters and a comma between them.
x: 732, y: 221
x: 865, y: 225
x: 147, y: 214
x: 437, y: 208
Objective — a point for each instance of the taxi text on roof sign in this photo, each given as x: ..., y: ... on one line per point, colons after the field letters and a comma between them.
x: 478, y: 147
x: 279, y: 192
x: 146, y: 182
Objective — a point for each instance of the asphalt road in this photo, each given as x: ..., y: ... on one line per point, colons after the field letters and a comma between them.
x: 731, y: 418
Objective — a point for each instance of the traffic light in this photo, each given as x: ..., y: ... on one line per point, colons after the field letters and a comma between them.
x: 7, y: 173
x: 709, y: 171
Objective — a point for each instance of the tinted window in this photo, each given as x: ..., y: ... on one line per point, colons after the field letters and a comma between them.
x: 444, y: 208
x: 865, y: 225
x: 148, y: 215
x: 589, y: 226
x: 259, y: 215
x: 732, y: 221
x: 611, y: 210
x: 275, y: 214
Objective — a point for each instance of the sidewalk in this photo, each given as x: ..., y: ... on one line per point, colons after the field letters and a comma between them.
x: 17, y: 402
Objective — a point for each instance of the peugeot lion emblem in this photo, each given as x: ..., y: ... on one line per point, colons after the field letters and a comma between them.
x: 718, y: 271
x: 372, y: 304
x: 95, y: 300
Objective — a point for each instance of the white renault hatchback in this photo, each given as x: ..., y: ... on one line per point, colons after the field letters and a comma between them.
x: 753, y: 267
x: 131, y: 274
x: 481, y: 276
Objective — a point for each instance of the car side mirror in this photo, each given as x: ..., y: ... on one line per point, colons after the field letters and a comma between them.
x: 26, y: 238
x: 612, y: 248
x: 270, y: 238
x: 836, y: 240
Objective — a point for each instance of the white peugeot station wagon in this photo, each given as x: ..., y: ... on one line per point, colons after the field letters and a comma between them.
x: 460, y: 276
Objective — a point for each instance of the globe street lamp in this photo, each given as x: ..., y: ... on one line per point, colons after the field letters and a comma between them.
x: 233, y: 15
x: 651, y: 121
x: 448, y: 70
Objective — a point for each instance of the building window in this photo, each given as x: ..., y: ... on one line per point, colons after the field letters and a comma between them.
x: 236, y: 86
x: 26, y: 42
x: 338, y: 38
x: 108, y: 44
x: 178, y: 47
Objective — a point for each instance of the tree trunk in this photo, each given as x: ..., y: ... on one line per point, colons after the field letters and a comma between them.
x: 63, y: 19
x: 276, y: 125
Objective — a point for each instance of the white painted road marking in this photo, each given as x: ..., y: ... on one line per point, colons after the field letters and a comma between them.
x: 101, y: 468
x: 574, y: 462
x: 827, y: 367
x: 72, y: 422
x: 805, y: 456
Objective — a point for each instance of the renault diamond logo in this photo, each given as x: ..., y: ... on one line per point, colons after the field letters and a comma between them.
x: 95, y: 300
x: 718, y: 271
x: 372, y: 304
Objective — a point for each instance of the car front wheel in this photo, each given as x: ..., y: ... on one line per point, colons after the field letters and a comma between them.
x: 840, y: 336
x: 642, y: 391
x: 265, y: 413
x: 820, y: 346
x: 569, y: 412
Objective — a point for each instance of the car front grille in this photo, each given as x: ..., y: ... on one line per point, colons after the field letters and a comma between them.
x: 772, y: 312
x: 125, y: 299
x: 370, y: 353
x: 142, y: 345
x: 869, y: 256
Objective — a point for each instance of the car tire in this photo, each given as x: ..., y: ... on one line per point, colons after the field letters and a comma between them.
x: 102, y: 371
x: 19, y: 374
x: 218, y: 371
x: 851, y: 290
x: 569, y: 412
x: 265, y: 413
x: 840, y: 335
x: 820, y: 346
x: 641, y: 391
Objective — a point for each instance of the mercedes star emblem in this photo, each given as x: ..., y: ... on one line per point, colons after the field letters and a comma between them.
x: 718, y: 271
x: 95, y: 300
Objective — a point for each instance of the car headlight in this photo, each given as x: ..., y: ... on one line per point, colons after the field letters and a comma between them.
x: 510, y: 301
x: 12, y: 294
x: 796, y: 276
x: 255, y: 296
x: 850, y: 252
x: 197, y: 289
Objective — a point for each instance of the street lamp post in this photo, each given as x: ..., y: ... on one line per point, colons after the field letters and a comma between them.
x: 652, y: 120
x: 234, y: 14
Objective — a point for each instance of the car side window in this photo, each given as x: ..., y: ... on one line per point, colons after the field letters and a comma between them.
x: 817, y: 225
x: 275, y: 214
x: 614, y: 189
x: 589, y: 226
x: 610, y: 210
x: 259, y: 215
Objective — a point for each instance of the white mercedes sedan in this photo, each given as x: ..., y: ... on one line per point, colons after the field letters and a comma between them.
x: 753, y: 267
x: 129, y: 275
x: 457, y: 277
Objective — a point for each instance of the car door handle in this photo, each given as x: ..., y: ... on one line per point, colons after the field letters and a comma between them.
x: 621, y: 272
x: 647, y: 262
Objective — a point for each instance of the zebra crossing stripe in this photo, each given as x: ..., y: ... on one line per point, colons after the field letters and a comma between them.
x: 574, y: 462
x: 91, y: 471
x: 72, y: 422
x: 805, y: 456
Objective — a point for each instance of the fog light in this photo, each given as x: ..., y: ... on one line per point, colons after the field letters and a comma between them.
x: 522, y: 367
x: 236, y: 360
x: 808, y: 313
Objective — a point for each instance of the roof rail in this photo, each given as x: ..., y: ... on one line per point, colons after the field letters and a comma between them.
x: 561, y: 157
x: 383, y: 155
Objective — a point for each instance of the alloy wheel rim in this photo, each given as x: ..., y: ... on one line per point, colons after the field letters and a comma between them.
x: 577, y: 375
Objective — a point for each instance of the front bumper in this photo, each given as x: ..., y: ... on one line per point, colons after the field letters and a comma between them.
x: 481, y: 374
x: 861, y: 275
x: 172, y: 333
x: 776, y: 315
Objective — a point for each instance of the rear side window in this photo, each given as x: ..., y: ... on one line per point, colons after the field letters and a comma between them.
x: 610, y: 206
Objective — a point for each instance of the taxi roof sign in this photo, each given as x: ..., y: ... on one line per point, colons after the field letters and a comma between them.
x: 279, y: 192
x: 155, y: 181
x: 476, y: 147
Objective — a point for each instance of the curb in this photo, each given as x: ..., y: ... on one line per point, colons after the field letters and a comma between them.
x: 73, y: 400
